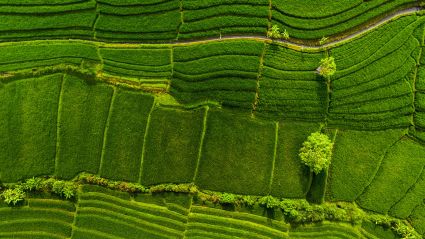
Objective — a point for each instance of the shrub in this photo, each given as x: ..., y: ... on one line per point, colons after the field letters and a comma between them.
x: 33, y: 184
x: 327, y: 67
x: 275, y: 33
x: 269, y: 202
x: 316, y: 152
x: 64, y: 189
x: 13, y: 196
x: 227, y: 198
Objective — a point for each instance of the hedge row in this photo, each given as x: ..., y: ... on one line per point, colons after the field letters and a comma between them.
x: 140, y: 215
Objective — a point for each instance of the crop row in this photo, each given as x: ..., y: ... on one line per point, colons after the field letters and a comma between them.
x: 164, y: 21
x: 328, y: 22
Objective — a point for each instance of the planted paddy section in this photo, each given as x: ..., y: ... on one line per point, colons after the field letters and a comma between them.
x: 171, y: 20
x: 93, y: 207
x: 224, y: 115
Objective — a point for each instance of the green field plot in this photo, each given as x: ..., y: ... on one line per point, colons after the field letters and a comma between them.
x: 145, y: 63
x: 357, y: 156
x: 418, y: 218
x: 101, y: 215
x: 313, y: 20
x: 39, y: 54
x: 83, y: 112
x: 373, y: 231
x: 44, y: 218
x: 401, y: 168
x: 207, y: 222
x: 325, y: 230
x: 289, y: 86
x: 377, y: 91
x: 136, y: 21
x: 28, y: 116
x: 238, y: 154
x: 224, y: 72
x: 47, y: 19
x: 291, y: 177
x: 172, y: 146
x: 124, y: 135
x: 202, y: 19
x: 413, y: 198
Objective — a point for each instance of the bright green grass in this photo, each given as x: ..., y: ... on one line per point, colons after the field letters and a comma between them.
x: 400, y: 169
x: 83, y: 115
x: 125, y: 135
x: 356, y: 157
x: 237, y: 154
x: 291, y: 177
x: 172, y: 146
x: 28, y: 116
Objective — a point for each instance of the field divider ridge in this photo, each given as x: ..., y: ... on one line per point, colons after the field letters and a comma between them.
x: 276, y: 141
x: 201, y: 144
x: 259, y: 76
x: 105, y: 131
x: 145, y: 137
x: 58, y: 126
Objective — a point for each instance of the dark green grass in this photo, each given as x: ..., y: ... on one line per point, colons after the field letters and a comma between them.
x: 378, y: 231
x: 291, y: 177
x: 32, y: 55
x: 356, y: 157
x: 237, y: 154
x: 83, y: 115
x: 400, y: 169
x: 413, y: 198
x: 125, y: 135
x: 71, y: 21
x: 326, y: 21
x: 418, y: 218
x: 28, y: 116
x: 165, y: 22
x: 172, y: 146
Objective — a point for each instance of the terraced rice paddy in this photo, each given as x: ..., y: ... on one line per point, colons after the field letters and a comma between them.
x: 171, y: 93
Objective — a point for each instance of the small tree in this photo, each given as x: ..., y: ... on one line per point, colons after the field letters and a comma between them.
x: 316, y: 152
x: 327, y: 67
x: 13, y: 196
x: 275, y: 33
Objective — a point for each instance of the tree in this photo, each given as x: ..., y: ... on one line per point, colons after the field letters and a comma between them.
x: 316, y: 152
x: 327, y: 67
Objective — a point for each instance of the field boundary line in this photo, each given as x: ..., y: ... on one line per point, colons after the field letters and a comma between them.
x: 372, y: 178
x: 409, y: 189
x: 105, y: 131
x: 145, y: 136
x: 77, y: 205
x: 181, y: 19
x: 187, y: 218
x: 415, y: 76
x: 58, y: 126
x: 276, y: 140
x: 172, y: 68
x: 97, y: 11
x: 259, y: 76
x: 201, y: 143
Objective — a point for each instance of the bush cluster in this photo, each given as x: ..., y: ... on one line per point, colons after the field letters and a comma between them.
x: 327, y: 67
x: 275, y: 33
x: 295, y: 211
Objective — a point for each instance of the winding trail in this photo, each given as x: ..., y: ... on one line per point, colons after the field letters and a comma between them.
x: 287, y: 43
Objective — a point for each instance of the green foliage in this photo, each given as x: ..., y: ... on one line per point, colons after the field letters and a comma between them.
x: 323, y: 40
x: 33, y: 184
x: 269, y: 202
x: 275, y: 33
x: 327, y: 67
x: 227, y: 198
x: 13, y: 196
x: 64, y: 189
x: 316, y: 152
